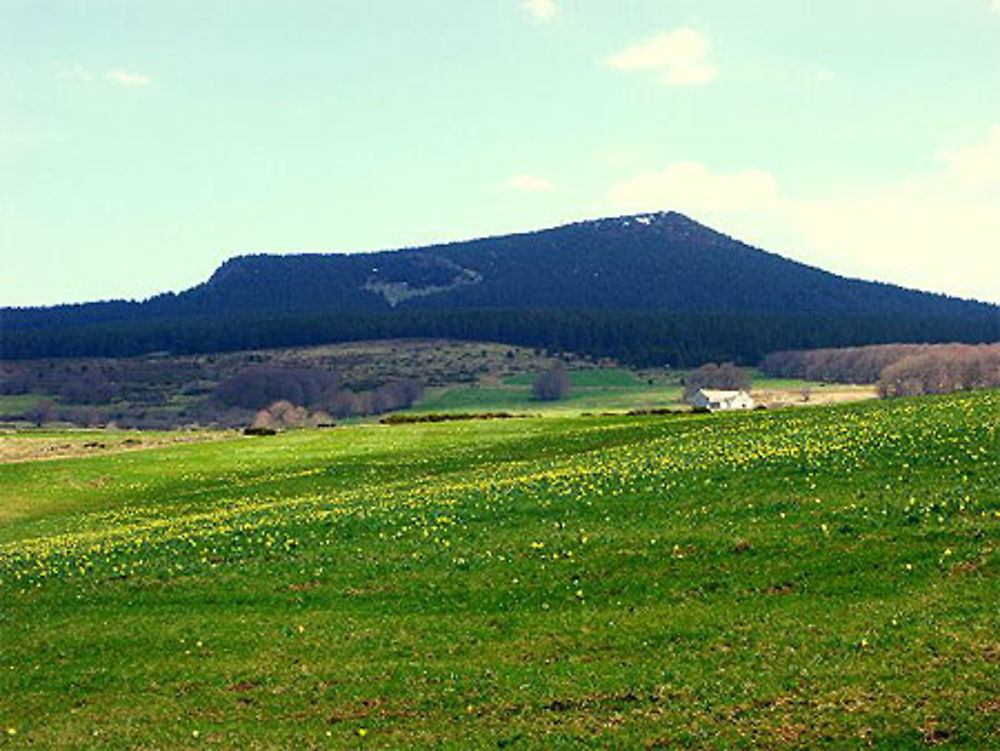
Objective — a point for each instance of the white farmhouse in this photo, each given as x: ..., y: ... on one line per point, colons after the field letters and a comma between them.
x: 715, y: 401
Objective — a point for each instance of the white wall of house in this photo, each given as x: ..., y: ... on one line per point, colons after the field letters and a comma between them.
x: 718, y: 401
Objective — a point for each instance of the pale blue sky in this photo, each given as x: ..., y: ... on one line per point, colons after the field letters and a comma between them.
x: 143, y: 143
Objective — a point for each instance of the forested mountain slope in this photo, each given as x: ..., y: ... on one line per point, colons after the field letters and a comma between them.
x: 648, y: 264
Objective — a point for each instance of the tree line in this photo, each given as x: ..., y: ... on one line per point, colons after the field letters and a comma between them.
x: 312, y: 389
x: 632, y: 338
x: 897, y: 369
x: 272, y: 395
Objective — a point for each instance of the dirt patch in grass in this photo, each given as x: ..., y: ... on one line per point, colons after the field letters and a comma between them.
x: 23, y: 447
x: 830, y: 394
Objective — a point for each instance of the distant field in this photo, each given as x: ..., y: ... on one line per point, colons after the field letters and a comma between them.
x: 487, y: 398
x: 594, y: 389
x: 618, y: 389
x: 17, y: 403
x: 808, y: 578
x: 597, y: 378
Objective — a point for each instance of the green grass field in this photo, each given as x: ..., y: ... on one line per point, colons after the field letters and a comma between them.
x: 519, y: 399
x: 591, y: 390
x: 810, y: 578
x: 597, y: 378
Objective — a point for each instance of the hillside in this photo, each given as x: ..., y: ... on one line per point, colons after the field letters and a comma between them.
x: 822, y: 578
x: 651, y: 264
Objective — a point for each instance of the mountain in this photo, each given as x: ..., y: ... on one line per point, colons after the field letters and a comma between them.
x: 651, y: 262
x: 648, y: 264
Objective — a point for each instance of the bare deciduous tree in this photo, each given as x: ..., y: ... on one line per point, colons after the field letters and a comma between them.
x: 551, y: 385
x: 898, y: 369
x: 714, y: 376
x: 43, y: 412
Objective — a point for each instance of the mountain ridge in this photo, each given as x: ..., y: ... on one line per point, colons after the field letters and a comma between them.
x: 672, y: 227
x: 617, y: 286
x: 685, y: 266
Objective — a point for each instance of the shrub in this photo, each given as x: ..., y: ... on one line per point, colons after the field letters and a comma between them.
x: 88, y: 388
x: 252, y: 430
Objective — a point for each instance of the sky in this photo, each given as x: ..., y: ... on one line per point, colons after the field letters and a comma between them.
x: 143, y: 143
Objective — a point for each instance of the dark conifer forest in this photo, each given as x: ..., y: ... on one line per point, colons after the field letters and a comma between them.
x: 646, y: 289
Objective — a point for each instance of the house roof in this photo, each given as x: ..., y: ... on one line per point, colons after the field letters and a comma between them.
x: 719, y: 396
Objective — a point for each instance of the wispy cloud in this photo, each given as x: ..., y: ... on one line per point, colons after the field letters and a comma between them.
x: 977, y: 165
x: 127, y: 79
x: 680, y: 57
x: 540, y: 10
x: 77, y: 73
x: 529, y: 184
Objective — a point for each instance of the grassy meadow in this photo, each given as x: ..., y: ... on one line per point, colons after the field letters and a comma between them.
x: 802, y: 578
